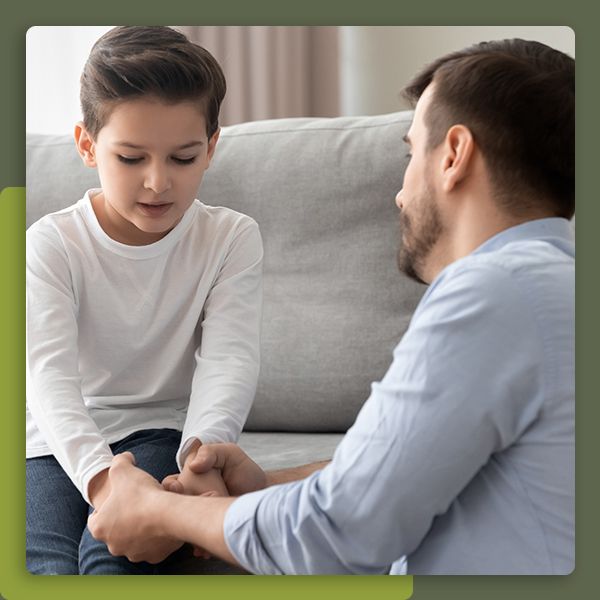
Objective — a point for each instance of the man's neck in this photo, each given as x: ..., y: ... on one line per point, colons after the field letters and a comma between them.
x: 467, y: 233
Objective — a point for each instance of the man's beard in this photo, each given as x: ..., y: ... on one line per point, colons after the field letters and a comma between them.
x: 419, y: 237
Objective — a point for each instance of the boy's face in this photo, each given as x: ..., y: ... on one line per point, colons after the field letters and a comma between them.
x: 151, y: 158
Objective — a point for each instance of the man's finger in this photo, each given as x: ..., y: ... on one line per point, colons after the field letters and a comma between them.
x: 123, y: 458
x: 210, y: 456
x: 92, y: 524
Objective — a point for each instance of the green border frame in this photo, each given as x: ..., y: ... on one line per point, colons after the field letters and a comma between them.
x: 15, y: 583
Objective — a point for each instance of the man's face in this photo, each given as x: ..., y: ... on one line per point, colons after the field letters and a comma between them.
x: 421, y: 222
x: 151, y: 157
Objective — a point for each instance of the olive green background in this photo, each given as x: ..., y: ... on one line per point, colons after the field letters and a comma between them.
x: 15, y: 583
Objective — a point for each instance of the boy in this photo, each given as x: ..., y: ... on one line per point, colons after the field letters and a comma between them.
x: 143, y: 305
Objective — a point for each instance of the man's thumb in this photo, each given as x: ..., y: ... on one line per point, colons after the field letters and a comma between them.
x: 206, y: 458
x: 123, y: 458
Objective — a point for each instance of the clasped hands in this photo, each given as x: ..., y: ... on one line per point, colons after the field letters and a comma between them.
x: 139, y: 516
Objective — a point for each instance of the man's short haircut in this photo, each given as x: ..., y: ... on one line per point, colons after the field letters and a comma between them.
x: 133, y: 62
x: 518, y: 99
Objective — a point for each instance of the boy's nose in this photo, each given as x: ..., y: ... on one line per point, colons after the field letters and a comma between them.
x: 157, y: 180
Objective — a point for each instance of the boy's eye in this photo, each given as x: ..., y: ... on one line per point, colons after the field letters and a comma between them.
x: 184, y: 161
x: 132, y: 160
x: 128, y: 160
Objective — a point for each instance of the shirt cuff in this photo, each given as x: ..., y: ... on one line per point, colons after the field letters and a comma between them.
x: 184, y: 449
x: 242, y: 536
x: 90, y: 473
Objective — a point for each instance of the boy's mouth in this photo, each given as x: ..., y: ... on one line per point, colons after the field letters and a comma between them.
x: 154, y: 210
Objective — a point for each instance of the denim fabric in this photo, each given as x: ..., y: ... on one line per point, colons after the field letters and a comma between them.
x: 58, y: 541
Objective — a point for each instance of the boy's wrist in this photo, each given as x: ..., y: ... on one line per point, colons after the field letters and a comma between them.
x: 190, y: 451
x: 98, y: 488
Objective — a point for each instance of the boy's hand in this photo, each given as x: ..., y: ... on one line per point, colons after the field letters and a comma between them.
x: 194, y: 484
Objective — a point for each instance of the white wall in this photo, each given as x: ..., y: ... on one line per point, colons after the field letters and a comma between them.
x: 55, y: 57
x: 376, y: 62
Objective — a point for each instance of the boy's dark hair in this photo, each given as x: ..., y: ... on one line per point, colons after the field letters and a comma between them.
x: 134, y: 61
x: 518, y: 99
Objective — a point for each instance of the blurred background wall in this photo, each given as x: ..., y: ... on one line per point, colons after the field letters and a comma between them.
x: 274, y: 72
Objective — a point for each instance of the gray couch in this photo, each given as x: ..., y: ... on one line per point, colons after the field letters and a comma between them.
x: 322, y: 192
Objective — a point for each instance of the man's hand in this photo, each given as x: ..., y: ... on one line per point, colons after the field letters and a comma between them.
x: 129, y: 520
x: 240, y: 473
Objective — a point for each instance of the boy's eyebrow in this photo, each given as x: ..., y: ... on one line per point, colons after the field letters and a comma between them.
x: 182, y: 147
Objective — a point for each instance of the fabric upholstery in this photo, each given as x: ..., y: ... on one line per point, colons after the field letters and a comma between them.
x: 322, y: 192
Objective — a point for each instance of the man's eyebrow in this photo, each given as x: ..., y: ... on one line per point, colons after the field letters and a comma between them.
x: 138, y: 147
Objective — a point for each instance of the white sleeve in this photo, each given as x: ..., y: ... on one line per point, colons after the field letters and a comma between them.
x: 54, y: 394
x: 228, y: 358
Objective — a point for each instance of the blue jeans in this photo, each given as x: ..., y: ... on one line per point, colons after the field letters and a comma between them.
x: 58, y: 541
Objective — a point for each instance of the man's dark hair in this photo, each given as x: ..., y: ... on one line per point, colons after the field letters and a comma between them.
x: 131, y: 62
x: 517, y: 98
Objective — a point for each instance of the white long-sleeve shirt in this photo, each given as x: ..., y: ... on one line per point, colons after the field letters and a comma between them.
x: 122, y: 338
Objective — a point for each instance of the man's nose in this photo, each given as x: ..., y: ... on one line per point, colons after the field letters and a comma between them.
x: 399, y: 199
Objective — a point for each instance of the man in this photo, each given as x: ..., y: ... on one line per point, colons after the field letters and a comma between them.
x: 462, y: 459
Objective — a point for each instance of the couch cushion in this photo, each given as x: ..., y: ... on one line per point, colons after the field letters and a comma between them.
x: 277, y: 450
x: 55, y: 176
x: 322, y: 191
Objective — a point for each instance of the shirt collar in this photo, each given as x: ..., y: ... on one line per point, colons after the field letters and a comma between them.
x: 556, y: 230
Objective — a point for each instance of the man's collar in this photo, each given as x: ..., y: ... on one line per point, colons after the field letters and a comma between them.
x: 554, y: 228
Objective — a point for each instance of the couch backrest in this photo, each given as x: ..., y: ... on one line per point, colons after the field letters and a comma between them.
x: 322, y: 192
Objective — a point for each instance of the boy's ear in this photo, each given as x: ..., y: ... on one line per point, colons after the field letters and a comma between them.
x: 212, y: 143
x: 85, y: 145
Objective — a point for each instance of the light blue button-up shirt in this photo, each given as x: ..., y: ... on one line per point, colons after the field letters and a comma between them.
x: 462, y: 458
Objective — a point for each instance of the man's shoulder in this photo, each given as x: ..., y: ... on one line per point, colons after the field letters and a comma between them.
x: 522, y: 261
x: 515, y: 279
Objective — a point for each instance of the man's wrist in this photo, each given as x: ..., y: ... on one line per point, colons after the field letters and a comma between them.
x: 293, y: 473
x: 192, y: 519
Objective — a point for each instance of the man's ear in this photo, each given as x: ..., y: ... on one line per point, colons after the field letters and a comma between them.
x: 457, y: 158
x: 212, y: 144
x: 85, y: 145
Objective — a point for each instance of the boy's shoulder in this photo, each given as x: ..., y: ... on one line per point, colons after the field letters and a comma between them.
x: 56, y: 221
x: 222, y: 216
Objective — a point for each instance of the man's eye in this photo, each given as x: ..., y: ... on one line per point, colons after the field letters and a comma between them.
x: 128, y: 160
x: 184, y: 161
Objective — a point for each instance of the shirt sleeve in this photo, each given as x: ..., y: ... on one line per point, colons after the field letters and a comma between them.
x: 54, y: 394
x: 228, y: 357
x: 465, y: 382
